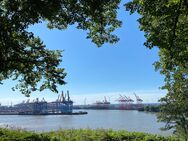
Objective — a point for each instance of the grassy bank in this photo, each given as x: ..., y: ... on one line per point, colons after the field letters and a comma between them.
x: 79, y: 135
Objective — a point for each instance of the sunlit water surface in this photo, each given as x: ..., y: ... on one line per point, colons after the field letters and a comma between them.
x: 114, y: 119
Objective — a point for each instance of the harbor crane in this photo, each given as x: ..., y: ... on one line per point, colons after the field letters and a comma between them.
x: 129, y: 100
x: 106, y: 101
x: 138, y: 99
x: 122, y: 99
x: 123, y: 102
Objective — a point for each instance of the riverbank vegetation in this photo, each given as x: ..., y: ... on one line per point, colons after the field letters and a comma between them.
x: 80, y: 135
x: 150, y: 108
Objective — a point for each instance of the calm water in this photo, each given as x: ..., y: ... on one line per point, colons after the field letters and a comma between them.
x: 115, y: 119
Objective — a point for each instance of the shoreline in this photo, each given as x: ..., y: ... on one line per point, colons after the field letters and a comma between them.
x: 43, y: 114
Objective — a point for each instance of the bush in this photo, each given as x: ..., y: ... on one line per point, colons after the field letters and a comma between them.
x: 80, y: 135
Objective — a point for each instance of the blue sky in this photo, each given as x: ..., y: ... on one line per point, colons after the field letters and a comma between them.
x: 92, y: 72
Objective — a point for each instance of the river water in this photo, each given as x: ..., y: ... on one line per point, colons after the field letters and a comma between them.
x: 114, y: 119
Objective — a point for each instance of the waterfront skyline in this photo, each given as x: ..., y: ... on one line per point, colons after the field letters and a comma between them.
x: 122, y: 68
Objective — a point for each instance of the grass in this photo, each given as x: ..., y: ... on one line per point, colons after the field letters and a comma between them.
x: 79, y: 135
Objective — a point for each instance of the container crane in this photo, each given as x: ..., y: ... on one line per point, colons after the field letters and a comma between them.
x: 122, y: 99
x: 105, y: 101
x: 129, y: 100
x: 139, y: 101
x: 123, y: 102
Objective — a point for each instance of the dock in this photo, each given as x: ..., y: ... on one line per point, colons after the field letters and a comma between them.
x: 63, y: 105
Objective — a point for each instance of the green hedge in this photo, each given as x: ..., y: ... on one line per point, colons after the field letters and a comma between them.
x: 80, y: 135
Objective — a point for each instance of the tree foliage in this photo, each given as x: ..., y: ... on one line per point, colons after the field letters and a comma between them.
x: 25, y: 58
x: 165, y: 24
